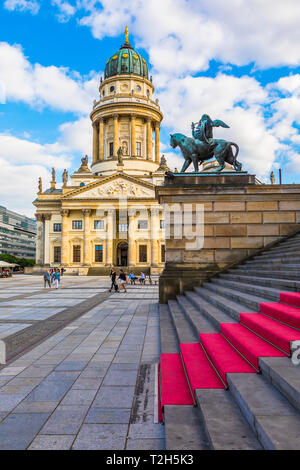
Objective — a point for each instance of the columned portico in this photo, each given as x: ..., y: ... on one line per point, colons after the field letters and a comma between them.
x: 87, y: 233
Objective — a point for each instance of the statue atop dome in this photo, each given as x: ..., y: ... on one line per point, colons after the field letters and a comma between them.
x: 126, y: 35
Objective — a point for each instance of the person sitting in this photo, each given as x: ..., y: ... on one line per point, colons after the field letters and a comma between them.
x: 132, y: 278
x: 142, y: 279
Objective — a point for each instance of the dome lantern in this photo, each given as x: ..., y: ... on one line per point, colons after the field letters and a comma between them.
x: 126, y: 61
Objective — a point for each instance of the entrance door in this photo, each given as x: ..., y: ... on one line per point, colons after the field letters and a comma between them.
x: 122, y: 254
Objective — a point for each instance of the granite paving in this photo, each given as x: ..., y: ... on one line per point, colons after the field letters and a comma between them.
x: 91, y: 383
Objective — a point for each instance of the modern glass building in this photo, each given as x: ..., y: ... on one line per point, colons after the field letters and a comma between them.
x: 17, y: 234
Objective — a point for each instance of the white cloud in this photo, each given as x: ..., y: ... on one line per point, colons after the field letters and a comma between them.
x: 22, y: 151
x: 77, y: 135
x: 40, y: 86
x: 66, y: 10
x: 22, y: 5
x: 182, y: 36
x: 24, y: 181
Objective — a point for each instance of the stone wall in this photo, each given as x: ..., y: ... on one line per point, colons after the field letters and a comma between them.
x: 240, y: 217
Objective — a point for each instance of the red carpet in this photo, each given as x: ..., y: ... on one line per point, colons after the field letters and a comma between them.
x: 278, y: 334
x: 282, y: 312
x: 200, y: 372
x: 223, y: 356
x: 174, y: 386
x: 249, y: 344
x: 291, y: 298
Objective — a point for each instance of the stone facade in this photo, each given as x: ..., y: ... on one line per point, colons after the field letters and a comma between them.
x: 240, y: 217
x: 107, y: 215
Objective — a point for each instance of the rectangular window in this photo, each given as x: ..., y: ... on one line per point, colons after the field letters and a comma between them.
x: 123, y: 227
x: 111, y: 149
x: 57, y: 254
x: 76, y: 253
x: 162, y: 224
x: 77, y: 224
x: 162, y: 253
x: 138, y: 149
x: 56, y: 227
x: 142, y: 224
x: 98, y: 253
x: 143, y: 253
x: 98, y: 224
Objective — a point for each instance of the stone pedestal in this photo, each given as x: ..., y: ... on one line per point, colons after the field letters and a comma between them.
x: 240, y: 217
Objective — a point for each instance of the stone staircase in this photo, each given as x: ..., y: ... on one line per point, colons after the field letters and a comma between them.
x: 227, y: 380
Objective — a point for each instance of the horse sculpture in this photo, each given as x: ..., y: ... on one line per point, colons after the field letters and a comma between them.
x: 203, y: 147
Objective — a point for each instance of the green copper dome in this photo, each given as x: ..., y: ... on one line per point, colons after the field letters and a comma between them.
x: 126, y: 61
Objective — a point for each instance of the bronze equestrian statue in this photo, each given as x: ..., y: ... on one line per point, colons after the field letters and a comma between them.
x: 202, y: 146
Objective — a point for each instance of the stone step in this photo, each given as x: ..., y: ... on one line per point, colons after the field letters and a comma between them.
x: 283, y: 284
x: 184, y: 428
x: 200, y: 323
x: 265, y: 272
x: 275, y: 422
x: 225, y: 426
x: 282, y: 247
x: 224, y: 305
x: 168, y: 337
x: 280, y: 255
x: 268, y: 292
x: 247, y: 300
x: 290, y: 264
x: 280, y: 371
x: 185, y: 332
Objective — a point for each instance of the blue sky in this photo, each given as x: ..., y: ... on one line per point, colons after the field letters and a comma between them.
x: 237, y: 61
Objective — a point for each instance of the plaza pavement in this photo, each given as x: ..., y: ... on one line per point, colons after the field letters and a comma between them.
x: 91, y: 385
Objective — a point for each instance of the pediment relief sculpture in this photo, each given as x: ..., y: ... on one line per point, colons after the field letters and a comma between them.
x: 116, y: 189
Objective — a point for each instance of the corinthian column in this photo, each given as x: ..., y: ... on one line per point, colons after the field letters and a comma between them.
x: 157, y: 142
x: 47, y: 218
x: 154, y: 236
x: 101, y: 139
x: 109, y: 236
x: 131, y: 237
x: 133, y: 144
x: 65, y: 237
x: 39, y: 240
x: 95, y: 142
x: 116, y: 134
x: 86, y: 230
x: 149, y: 139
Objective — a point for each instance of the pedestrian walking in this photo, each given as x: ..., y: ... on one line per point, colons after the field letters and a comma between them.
x: 123, y: 280
x: 113, y: 276
x: 47, y: 279
x: 56, y: 278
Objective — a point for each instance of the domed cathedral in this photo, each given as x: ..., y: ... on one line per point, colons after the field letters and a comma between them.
x: 106, y: 213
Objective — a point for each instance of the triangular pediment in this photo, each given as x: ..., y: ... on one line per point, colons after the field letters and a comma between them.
x: 114, y: 187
